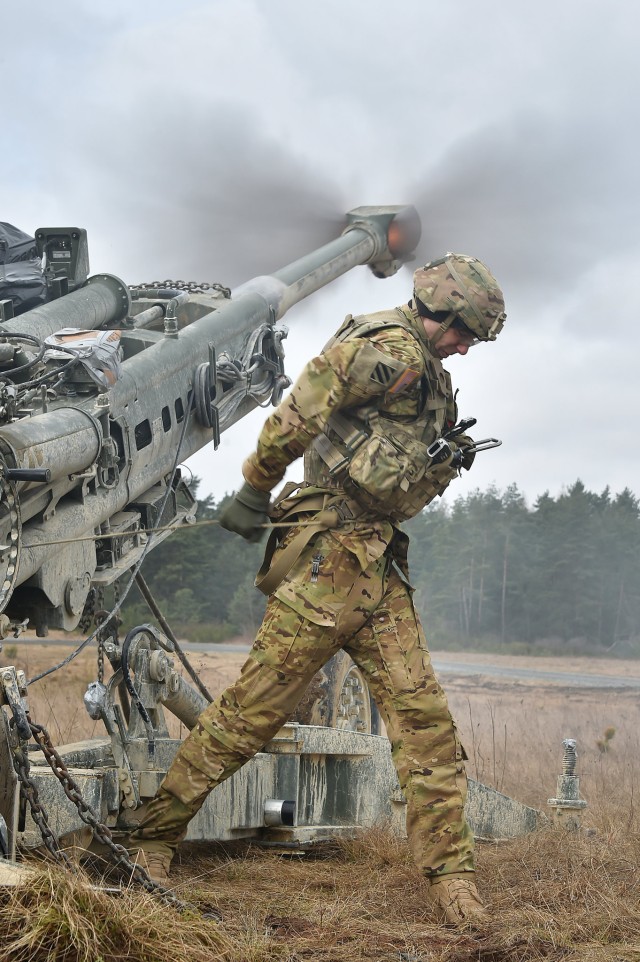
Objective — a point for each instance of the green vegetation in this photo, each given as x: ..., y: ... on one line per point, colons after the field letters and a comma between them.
x: 490, y: 572
x: 202, y: 579
x: 560, y: 577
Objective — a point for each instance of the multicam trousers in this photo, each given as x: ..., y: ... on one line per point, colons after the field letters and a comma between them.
x: 310, y: 617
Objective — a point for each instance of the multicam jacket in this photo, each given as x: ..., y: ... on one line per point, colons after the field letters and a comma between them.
x: 363, y: 414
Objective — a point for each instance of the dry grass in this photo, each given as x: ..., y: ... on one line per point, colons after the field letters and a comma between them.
x: 60, y: 916
x: 554, y: 897
x: 513, y: 735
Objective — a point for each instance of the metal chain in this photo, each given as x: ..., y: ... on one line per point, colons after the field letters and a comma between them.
x: 100, y: 671
x: 86, y: 619
x: 38, y: 814
x: 193, y: 287
x: 106, y: 630
x: 101, y: 832
x: 98, y: 618
x: 93, y: 614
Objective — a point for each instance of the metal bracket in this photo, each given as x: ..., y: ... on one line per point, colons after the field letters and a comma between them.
x: 6, y: 309
x: 114, y: 723
x: 14, y: 688
x: 206, y: 391
x: 108, y: 471
x: 13, y: 692
x: 9, y: 790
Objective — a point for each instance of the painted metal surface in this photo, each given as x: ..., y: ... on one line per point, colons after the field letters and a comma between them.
x: 342, y: 782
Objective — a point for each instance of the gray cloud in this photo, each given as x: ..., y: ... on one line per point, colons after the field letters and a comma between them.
x: 217, y: 195
x: 214, y: 141
x: 542, y: 199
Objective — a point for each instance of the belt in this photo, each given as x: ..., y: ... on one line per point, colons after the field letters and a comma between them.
x: 324, y: 516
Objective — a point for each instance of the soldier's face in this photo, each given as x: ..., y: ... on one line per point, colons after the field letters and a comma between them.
x: 453, y: 341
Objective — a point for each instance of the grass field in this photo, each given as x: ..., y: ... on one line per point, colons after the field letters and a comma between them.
x: 554, y: 896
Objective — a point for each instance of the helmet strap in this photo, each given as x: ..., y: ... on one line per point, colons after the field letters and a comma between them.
x: 442, y: 330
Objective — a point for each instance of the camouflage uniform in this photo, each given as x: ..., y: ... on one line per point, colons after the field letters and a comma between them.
x: 356, y: 597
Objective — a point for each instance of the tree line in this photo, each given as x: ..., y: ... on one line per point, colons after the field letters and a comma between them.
x: 560, y: 576
x: 489, y: 572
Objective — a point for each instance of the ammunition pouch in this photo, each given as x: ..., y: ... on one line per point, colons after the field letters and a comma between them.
x: 392, y: 474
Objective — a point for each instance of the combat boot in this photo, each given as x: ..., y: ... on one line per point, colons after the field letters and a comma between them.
x: 155, y: 864
x: 456, y: 898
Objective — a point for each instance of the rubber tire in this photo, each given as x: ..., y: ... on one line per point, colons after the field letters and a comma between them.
x: 338, y: 697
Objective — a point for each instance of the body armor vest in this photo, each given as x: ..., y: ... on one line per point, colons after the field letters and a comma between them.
x: 374, y: 454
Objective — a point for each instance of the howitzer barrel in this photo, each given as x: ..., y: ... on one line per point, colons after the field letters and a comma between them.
x: 315, y: 270
x: 45, y: 539
x: 365, y: 240
x: 103, y: 300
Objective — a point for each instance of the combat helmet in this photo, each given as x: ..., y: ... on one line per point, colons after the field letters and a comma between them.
x: 466, y: 290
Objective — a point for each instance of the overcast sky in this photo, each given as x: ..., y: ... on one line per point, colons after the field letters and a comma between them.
x: 220, y: 140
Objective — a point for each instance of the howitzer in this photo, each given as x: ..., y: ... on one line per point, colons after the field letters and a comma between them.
x: 104, y: 389
x: 96, y: 387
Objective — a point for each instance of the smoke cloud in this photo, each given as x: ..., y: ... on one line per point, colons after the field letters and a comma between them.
x: 213, y: 141
x: 218, y: 199
x: 542, y: 201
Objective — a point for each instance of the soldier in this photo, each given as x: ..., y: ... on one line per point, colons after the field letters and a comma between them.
x: 371, y: 415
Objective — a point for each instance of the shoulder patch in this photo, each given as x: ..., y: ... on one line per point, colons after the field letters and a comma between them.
x: 383, y: 374
x: 406, y: 379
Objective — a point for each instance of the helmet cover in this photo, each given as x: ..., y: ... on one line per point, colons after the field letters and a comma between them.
x: 465, y: 288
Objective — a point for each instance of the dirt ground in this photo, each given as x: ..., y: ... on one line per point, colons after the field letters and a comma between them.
x: 553, y: 897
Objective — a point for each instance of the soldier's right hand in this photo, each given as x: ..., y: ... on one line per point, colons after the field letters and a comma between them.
x: 467, y: 456
x: 247, y: 513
